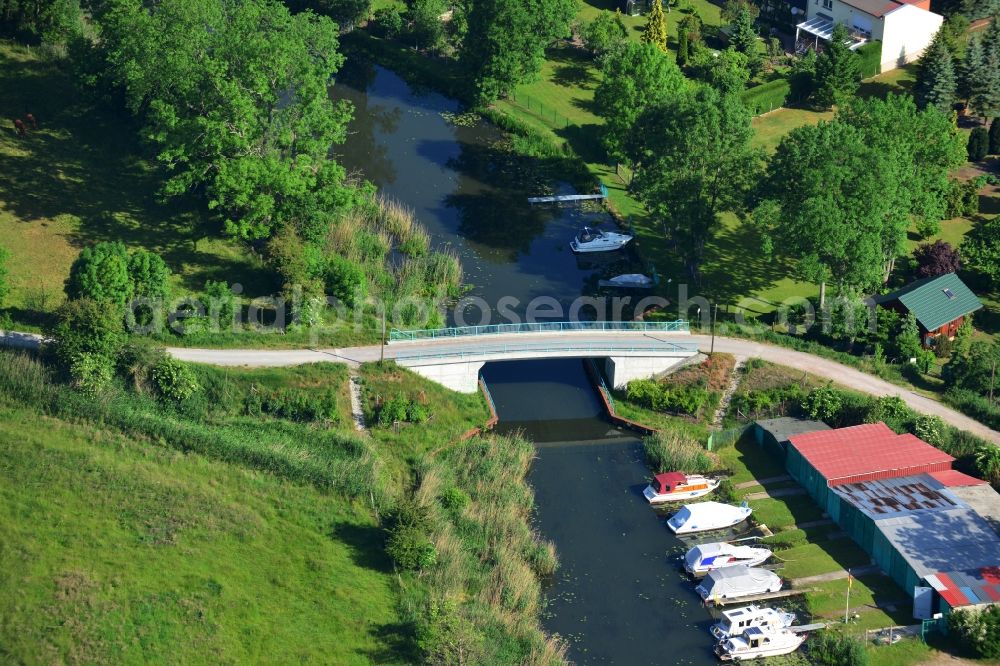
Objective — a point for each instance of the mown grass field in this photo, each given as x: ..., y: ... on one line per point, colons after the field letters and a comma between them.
x: 82, y: 178
x: 123, y: 551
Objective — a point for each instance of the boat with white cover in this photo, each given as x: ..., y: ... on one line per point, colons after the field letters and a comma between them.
x: 676, y: 486
x: 629, y: 281
x: 757, y: 642
x: 734, y: 622
x: 737, y: 582
x: 711, y: 556
x: 707, y: 516
x: 595, y: 240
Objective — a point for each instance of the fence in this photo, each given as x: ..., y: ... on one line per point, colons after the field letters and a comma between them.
x: 539, y: 109
x: 679, y: 326
x: 726, y: 437
x: 534, y: 349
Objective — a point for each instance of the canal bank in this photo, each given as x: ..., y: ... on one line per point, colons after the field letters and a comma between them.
x: 619, y: 594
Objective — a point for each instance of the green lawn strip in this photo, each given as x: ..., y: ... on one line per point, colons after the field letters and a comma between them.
x: 81, y: 178
x: 451, y: 414
x: 122, y: 551
x: 749, y: 462
x: 909, y: 651
x: 820, y: 557
x: 829, y: 599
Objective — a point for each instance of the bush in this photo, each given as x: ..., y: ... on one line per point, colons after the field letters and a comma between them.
x: 670, y: 451
x: 662, y: 398
x: 767, y: 96
x: 978, y: 629
x: 101, y: 273
x: 292, y: 405
x: 409, y: 543
x: 387, y: 22
x: 962, y: 199
x: 823, y: 403
x: 174, y: 379
x: 454, y: 500
x: 91, y: 373
x: 827, y: 648
x: 979, y: 144
x: 86, y: 326
x: 393, y: 410
x: 346, y: 281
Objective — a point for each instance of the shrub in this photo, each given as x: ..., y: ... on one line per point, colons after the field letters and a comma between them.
x: 454, y: 500
x: 929, y: 428
x: 767, y: 96
x: 823, y: 403
x: 101, y: 273
x: 409, y: 544
x: 86, y: 326
x: 387, y: 22
x: 149, y: 274
x: 979, y: 144
x: 978, y: 629
x: 345, y: 280
x: 962, y: 199
x: 604, y: 32
x: 827, y: 648
x: 994, y: 146
x: 91, y: 373
x: 660, y: 397
x: 174, y: 379
x: 221, y: 305
x: 891, y: 410
x: 671, y: 451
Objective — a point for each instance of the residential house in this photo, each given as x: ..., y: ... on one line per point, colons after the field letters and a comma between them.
x: 904, y: 27
x: 940, y: 305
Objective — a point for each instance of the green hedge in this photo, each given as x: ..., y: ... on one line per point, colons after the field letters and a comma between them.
x: 871, y: 59
x: 767, y: 96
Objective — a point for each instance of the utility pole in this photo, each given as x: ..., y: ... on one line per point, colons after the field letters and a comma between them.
x: 993, y: 379
x: 715, y: 315
x: 847, y: 609
x: 381, y: 358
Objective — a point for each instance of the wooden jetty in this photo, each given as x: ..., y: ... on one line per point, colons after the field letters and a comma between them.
x: 563, y: 198
x: 780, y: 594
x: 807, y: 627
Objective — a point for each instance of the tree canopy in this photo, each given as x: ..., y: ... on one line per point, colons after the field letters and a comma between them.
x: 745, y: 40
x: 605, y: 32
x: 937, y: 84
x: 100, y: 273
x: 234, y: 96
x: 981, y: 250
x: 838, y: 71
x: 635, y: 76
x: 696, y: 162
x: 937, y: 258
x: 506, y: 40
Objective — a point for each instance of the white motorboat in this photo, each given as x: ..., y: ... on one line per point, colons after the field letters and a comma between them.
x: 737, y: 582
x: 707, y: 516
x: 711, y: 556
x: 734, y: 622
x: 676, y: 486
x: 595, y: 240
x: 756, y: 642
x: 629, y: 281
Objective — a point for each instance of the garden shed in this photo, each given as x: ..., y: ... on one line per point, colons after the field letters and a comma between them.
x: 772, y: 434
x: 940, y: 305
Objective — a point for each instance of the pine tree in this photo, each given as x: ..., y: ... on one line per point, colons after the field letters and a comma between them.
x: 656, y: 27
x: 744, y: 39
x: 838, y: 71
x: 936, y: 81
x: 995, y: 137
x: 968, y: 70
x: 981, y: 73
x: 683, y: 50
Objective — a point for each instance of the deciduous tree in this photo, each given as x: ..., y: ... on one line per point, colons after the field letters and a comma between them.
x: 696, y: 162
x: 937, y: 258
x: 506, y: 40
x: 981, y: 250
x: 635, y: 76
x: 605, y: 32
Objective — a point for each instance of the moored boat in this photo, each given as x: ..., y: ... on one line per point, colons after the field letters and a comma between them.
x: 595, y: 240
x: 676, y: 486
x: 707, y: 516
x: 738, y: 582
x: 734, y: 622
x: 756, y: 642
x: 711, y: 556
x: 629, y: 281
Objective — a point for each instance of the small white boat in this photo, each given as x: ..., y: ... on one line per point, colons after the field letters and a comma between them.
x: 629, y: 281
x: 595, y: 240
x: 738, y: 582
x: 707, y: 516
x: 676, y: 486
x: 734, y: 622
x: 756, y: 642
x: 711, y: 556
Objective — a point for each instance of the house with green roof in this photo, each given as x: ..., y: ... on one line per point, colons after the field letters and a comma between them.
x: 940, y: 305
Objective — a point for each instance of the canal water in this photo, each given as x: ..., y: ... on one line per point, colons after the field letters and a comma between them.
x: 470, y: 195
x: 618, y: 595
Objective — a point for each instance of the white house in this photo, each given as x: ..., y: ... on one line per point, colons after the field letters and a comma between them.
x: 904, y: 27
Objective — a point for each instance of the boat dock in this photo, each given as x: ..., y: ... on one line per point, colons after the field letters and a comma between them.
x: 807, y: 627
x: 563, y: 198
x: 780, y: 594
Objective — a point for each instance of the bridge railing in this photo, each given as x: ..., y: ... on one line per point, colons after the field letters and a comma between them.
x: 658, y: 347
x: 541, y: 327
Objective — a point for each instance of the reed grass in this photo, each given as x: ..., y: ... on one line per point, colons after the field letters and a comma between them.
x: 672, y: 451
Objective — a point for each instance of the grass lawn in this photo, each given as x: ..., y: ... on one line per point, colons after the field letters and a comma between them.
x: 122, y: 551
x: 81, y: 178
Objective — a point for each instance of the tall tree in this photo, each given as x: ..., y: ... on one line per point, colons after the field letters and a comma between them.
x: 995, y: 136
x: 656, y: 27
x: 744, y: 39
x: 234, y: 96
x: 696, y: 163
x: 605, y: 32
x: 52, y: 21
x: 506, y: 40
x: 838, y: 71
x: 937, y: 84
x: 825, y: 207
x: 920, y: 148
x: 981, y: 73
x: 728, y: 71
x: 981, y: 250
x: 937, y: 258
x: 344, y: 12
x: 635, y: 76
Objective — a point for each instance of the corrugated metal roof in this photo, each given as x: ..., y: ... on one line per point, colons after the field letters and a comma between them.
x: 935, y: 301
x: 887, y: 498
x: 951, y: 478
x: 967, y: 588
x: 784, y: 427
x: 933, y: 541
x: 848, y: 455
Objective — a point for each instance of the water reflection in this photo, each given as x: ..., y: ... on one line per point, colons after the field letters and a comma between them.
x: 619, y: 594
